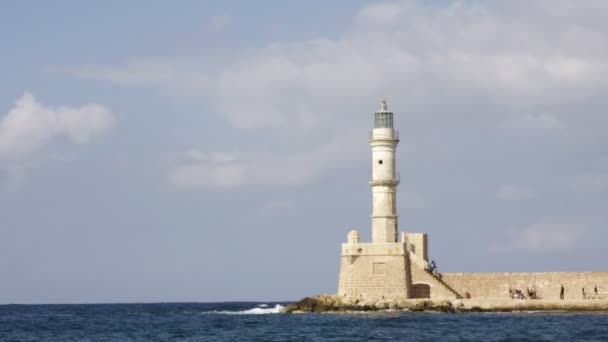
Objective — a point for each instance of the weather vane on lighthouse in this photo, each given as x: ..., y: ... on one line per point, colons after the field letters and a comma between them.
x: 383, y: 105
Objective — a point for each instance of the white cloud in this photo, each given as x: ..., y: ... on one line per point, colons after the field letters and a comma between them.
x: 570, y: 69
x: 180, y: 74
x: 514, y: 193
x: 228, y: 170
x: 547, y: 236
x: 208, y: 170
x: 395, y: 48
x: 29, y: 126
x: 468, y: 66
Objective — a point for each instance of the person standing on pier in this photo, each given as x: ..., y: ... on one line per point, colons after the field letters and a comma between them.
x: 584, y: 295
x: 597, y: 296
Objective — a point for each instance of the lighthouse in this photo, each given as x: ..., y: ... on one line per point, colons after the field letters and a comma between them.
x: 383, y: 141
x: 379, y: 269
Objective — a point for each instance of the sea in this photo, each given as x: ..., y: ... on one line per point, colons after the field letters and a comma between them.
x: 264, y: 322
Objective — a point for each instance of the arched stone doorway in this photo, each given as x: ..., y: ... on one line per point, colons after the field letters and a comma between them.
x: 421, y: 291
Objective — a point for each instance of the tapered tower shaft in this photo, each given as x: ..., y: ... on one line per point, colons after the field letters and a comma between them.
x: 383, y: 142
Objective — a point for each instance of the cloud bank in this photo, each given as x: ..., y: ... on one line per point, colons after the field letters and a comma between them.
x: 548, y: 237
x: 30, y: 125
x: 532, y: 72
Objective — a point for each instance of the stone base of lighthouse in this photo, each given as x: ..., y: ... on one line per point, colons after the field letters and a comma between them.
x: 374, y: 271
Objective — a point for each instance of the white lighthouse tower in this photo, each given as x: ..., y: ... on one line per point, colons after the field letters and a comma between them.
x: 384, y: 181
x: 379, y: 269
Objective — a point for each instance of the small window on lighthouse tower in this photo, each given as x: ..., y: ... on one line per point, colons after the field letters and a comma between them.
x: 380, y: 161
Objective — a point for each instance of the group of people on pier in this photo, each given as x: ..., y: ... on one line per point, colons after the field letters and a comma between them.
x: 519, y: 294
x: 595, y: 294
x: 530, y: 293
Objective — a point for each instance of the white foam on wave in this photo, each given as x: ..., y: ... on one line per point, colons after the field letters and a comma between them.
x: 260, y: 310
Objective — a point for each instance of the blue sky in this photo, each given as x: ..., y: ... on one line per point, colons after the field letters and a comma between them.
x: 218, y: 150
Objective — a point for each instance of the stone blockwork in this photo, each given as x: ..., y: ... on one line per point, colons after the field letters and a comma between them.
x: 425, y: 285
x: 372, y: 271
x: 378, y: 271
x: 418, y: 244
x: 546, y: 284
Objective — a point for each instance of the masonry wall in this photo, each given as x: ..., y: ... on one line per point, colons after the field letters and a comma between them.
x: 374, y: 271
x: 436, y: 290
x: 418, y: 244
x: 547, y: 284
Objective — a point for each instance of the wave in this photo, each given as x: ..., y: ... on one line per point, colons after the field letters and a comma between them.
x: 259, y: 310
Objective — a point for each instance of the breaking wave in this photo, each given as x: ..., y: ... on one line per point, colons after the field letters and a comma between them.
x: 262, y: 309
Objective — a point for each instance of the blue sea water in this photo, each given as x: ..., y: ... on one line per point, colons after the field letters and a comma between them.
x: 262, y: 322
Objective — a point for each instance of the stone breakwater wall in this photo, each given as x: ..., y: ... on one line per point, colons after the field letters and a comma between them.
x: 546, y: 284
x: 337, y: 304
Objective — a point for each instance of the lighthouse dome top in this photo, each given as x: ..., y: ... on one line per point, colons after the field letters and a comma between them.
x: 383, y: 105
x: 383, y: 118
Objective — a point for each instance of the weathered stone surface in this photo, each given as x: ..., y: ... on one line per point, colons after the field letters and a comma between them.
x: 374, y: 270
x: 546, y: 284
x: 335, y: 304
x: 382, y: 305
x: 322, y: 303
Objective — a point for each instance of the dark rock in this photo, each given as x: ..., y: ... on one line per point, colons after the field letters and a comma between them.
x: 317, y: 304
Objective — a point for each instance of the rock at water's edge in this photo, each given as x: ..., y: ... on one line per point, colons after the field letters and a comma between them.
x: 334, y: 303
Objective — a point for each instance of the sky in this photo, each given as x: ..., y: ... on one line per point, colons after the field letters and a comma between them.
x: 201, y: 151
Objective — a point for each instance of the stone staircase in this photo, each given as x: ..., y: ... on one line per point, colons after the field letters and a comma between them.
x: 439, y: 287
x: 445, y: 285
